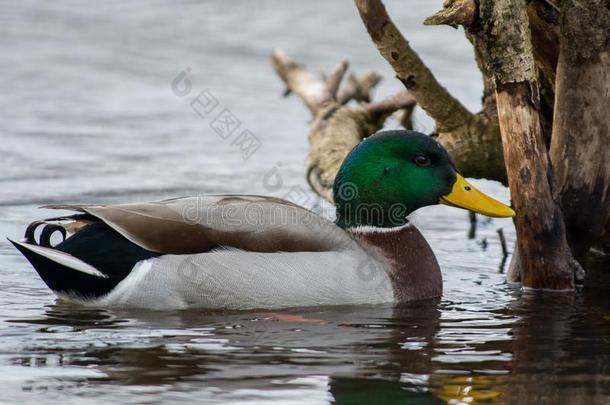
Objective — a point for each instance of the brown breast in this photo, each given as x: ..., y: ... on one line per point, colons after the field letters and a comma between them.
x: 415, y: 273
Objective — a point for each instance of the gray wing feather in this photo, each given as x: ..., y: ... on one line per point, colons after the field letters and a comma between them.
x: 200, y: 224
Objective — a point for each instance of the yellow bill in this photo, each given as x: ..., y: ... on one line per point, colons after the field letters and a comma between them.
x: 464, y: 195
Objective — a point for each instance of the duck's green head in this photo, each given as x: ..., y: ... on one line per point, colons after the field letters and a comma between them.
x: 393, y: 173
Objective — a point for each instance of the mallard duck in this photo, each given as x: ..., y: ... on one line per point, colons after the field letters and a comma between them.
x: 249, y: 251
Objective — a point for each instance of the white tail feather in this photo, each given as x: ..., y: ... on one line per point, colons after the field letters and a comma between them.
x: 63, y: 259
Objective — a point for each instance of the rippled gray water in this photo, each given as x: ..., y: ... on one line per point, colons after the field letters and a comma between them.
x: 88, y: 115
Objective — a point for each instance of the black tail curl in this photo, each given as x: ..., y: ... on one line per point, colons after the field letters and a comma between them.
x: 49, y: 227
x: 96, y: 244
x: 45, y: 235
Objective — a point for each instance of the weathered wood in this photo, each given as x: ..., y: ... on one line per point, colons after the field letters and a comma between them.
x: 358, y: 87
x: 334, y: 79
x: 471, y: 139
x: 580, y: 145
x: 525, y: 72
x: 454, y: 13
x: 335, y: 128
x: 410, y: 69
x: 544, y: 23
x: 541, y: 235
x: 545, y: 258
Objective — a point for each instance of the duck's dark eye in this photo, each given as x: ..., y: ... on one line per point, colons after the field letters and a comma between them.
x: 422, y: 160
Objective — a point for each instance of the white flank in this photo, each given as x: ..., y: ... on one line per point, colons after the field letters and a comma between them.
x: 136, y: 291
x: 235, y: 279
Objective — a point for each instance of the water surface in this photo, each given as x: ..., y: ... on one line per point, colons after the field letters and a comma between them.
x: 88, y: 115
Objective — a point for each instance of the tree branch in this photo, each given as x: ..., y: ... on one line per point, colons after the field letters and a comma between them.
x: 335, y: 128
x: 334, y: 79
x: 447, y: 111
x: 402, y: 99
x: 358, y: 87
x: 454, y: 13
x: 472, y: 140
x: 314, y: 92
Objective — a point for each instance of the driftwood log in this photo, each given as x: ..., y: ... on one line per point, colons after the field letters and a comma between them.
x: 336, y: 127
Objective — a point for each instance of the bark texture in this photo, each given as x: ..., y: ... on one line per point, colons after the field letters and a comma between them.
x: 544, y: 24
x: 556, y: 152
x: 471, y: 139
x: 546, y: 259
x: 581, y: 128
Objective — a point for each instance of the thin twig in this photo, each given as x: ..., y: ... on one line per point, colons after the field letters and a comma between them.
x: 334, y: 79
